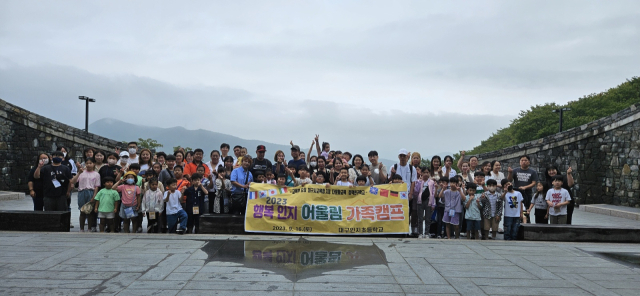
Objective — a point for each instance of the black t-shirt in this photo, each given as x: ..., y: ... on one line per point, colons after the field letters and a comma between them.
x: 108, y: 171
x: 37, y: 183
x: 260, y: 166
x: 524, y: 178
x: 48, y: 174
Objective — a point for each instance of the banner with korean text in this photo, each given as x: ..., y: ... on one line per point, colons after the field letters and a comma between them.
x: 333, y: 210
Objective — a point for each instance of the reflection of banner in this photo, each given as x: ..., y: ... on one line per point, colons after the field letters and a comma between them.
x: 316, y: 209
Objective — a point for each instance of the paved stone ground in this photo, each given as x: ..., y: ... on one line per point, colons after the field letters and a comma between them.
x: 160, y: 264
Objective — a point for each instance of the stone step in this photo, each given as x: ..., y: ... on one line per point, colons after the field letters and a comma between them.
x: 612, y: 210
x: 578, y: 233
x: 9, y: 195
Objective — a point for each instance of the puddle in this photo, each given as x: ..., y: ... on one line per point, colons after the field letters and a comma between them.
x: 295, y: 260
x: 629, y: 259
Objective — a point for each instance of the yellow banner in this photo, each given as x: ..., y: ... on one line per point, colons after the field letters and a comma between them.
x: 317, y: 209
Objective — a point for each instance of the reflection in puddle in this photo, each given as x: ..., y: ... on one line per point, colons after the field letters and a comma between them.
x: 629, y: 259
x: 295, y: 260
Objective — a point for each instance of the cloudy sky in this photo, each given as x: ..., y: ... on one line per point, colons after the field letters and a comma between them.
x: 424, y: 75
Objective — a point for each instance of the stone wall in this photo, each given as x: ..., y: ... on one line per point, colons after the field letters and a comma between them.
x: 603, y: 154
x: 25, y: 134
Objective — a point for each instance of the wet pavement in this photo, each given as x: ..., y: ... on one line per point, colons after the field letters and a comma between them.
x: 156, y: 264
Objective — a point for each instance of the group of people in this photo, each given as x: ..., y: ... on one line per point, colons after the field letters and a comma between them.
x: 120, y: 188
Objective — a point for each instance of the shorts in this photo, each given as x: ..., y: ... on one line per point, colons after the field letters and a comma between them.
x: 473, y: 225
x: 455, y: 220
x: 106, y: 215
x: 490, y: 224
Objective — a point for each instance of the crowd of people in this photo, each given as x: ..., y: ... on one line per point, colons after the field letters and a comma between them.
x: 120, y: 188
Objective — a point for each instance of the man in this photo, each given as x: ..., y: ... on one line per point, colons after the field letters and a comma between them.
x: 240, y: 179
x: 237, y: 152
x: 133, y: 150
x: 409, y: 177
x: 473, y: 163
x: 378, y: 170
x: 524, y: 179
x: 190, y: 168
x: 260, y: 164
x: 56, y: 183
x: 224, y: 150
x: 297, y: 161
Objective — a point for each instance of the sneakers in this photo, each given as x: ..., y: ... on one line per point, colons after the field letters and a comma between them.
x: 139, y: 230
x: 180, y: 231
x: 81, y: 230
x: 93, y: 229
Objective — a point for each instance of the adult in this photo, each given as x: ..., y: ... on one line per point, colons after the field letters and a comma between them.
x: 56, y: 182
x: 36, y: 186
x: 237, y: 153
x: 322, y: 169
x: 161, y: 158
x: 215, y: 162
x: 188, y: 157
x: 466, y: 175
x: 240, y: 179
x: 447, y: 170
x: 100, y: 158
x: 133, y: 152
x: 524, y: 179
x: 405, y: 170
x: 67, y: 160
x: 485, y: 168
x: 179, y: 158
x: 281, y: 164
x: 192, y: 167
x: 260, y: 164
x: 224, y: 150
x: 228, y: 167
x: 473, y: 163
x: 145, y: 161
x: 356, y: 166
x: 87, y: 153
x: 436, y: 168
x: 378, y: 170
x: 567, y: 183
x: 495, y: 173
x: 297, y: 161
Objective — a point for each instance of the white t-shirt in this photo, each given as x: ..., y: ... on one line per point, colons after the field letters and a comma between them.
x: 408, y: 174
x: 340, y: 183
x: 173, y: 203
x: 513, y: 204
x: 300, y: 181
x: 134, y: 160
x: 556, y: 197
x: 452, y: 173
x: 144, y: 167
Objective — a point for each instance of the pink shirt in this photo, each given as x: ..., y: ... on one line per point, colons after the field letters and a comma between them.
x: 88, y: 180
x: 129, y: 194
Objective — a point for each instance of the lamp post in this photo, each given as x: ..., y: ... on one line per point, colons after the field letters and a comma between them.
x: 561, y: 111
x: 86, y: 117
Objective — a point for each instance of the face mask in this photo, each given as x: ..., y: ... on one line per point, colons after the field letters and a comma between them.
x: 130, y: 181
x: 492, y: 189
x: 313, y: 163
x: 132, y: 151
x: 65, y: 154
x: 57, y: 160
x: 45, y: 161
x: 124, y: 160
x: 510, y: 187
x: 111, y: 161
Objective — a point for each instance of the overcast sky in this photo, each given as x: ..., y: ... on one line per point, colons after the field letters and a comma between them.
x: 423, y: 75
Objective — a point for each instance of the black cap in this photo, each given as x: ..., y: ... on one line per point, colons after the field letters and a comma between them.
x: 295, y: 147
x: 261, y: 148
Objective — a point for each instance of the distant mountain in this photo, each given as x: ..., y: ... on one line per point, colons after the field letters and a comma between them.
x: 174, y: 136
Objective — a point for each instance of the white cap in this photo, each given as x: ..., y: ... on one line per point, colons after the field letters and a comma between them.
x: 403, y: 151
x: 124, y: 153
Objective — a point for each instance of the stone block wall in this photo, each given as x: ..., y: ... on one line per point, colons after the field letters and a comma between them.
x: 603, y: 154
x: 25, y: 134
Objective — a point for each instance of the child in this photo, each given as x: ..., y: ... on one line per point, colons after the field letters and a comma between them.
x: 152, y: 205
x: 361, y: 180
x: 167, y: 173
x: 282, y: 178
x: 427, y: 203
x: 366, y: 173
x: 194, y: 196
x: 512, y: 210
x: 259, y: 178
x: 491, y: 205
x: 182, y: 183
x: 320, y: 180
x: 269, y: 177
x: 207, y: 182
x: 88, y: 186
x: 343, y: 178
x: 304, y: 176
x: 558, y: 198
x: 472, y: 215
x: 291, y: 172
x: 223, y: 190
x: 107, y: 204
x: 452, y: 205
x: 441, y: 187
x: 396, y: 179
x: 130, y: 200
x: 175, y: 213
x: 539, y: 201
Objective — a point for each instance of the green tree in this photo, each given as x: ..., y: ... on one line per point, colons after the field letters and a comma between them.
x: 176, y: 148
x: 148, y: 143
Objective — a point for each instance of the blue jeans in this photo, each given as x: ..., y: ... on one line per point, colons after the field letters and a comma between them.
x: 511, y: 225
x: 172, y: 220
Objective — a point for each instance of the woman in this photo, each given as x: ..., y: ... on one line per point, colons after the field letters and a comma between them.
x: 567, y: 183
x: 322, y: 169
x: 313, y: 163
x: 189, y: 157
x: 68, y: 161
x: 465, y: 173
x: 280, y: 167
x: 87, y: 153
x: 485, y: 168
x: 416, y: 159
x: 99, y: 156
x: 335, y: 170
x: 35, y: 185
x: 495, y: 173
x: 354, y: 171
x: 179, y: 158
x: 447, y: 170
x: 145, y: 161
x: 436, y: 162
x: 228, y: 167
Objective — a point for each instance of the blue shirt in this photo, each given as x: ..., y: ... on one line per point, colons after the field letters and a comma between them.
x: 240, y: 175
